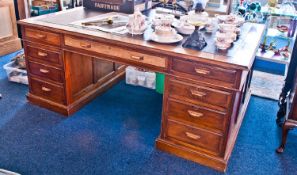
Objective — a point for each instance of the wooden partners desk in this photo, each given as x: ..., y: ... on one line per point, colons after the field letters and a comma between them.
x: 206, y: 93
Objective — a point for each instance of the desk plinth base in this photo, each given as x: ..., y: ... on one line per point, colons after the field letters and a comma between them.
x: 195, y: 156
x: 217, y: 163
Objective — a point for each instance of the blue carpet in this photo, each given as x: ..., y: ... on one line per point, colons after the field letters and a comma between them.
x: 115, y: 134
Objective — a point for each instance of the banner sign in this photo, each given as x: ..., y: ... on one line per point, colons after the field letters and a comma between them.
x: 125, y: 6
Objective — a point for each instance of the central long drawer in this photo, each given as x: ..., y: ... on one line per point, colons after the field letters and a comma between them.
x: 119, y: 53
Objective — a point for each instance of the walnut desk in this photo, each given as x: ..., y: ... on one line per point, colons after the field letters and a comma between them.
x: 206, y: 93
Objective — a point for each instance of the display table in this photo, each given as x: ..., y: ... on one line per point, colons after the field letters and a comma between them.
x: 206, y: 92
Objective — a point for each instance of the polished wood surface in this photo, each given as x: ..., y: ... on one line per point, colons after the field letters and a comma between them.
x: 244, y: 48
x: 206, y: 92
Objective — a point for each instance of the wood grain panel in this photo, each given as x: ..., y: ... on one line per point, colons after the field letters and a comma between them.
x: 42, y: 36
x: 204, y: 72
x: 46, y: 72
x: 79, y: 73
x: 196, y: 115
x: 200, y: 95
x: 190, y: 136
x: 118, y: 52
x: 102, y: 68
x: 43, y: 55
x: 47, y: 90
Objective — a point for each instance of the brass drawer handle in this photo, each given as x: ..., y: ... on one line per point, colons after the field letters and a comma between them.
x: 44, y: 71
x: 85, y: 45
x: 42, y: 54
x: 40, y: 36
x: 137, y: 57
x: 192, y: 136
x: 201, y: 71
x: 45, y: 89
x: 198, y: 93
x: 195, y: 114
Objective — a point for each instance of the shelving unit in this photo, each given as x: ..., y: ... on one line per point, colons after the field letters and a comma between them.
x: 273, y: 16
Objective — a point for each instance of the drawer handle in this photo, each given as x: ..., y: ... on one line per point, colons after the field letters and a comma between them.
x: 46, y: 89
x: 195, y: 114
x: 137, y: 57
x: 85, y: 45
x: 40, y: 36
x: 192, y: 136
x: 42, y: 54
x: 44, y: 71
x: 198, y: 93
x: 201, y: 71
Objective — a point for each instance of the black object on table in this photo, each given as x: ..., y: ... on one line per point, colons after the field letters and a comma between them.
x: 196, y: 39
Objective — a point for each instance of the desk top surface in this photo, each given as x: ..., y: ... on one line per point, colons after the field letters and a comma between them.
x: 241, y: 55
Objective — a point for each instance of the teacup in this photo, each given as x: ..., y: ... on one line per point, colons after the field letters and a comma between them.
x: 227, y: 37
x: 165, y: 32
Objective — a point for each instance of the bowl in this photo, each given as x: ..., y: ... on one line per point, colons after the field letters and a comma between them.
x: 184, y: 27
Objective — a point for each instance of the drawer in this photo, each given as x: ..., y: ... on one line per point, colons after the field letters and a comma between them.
x: 196, y: 115
x: 42, y: 55
x: 42, y: 36
x: 194, y: 137
x: 200, y: 95
x: 204, y: 72
x: 47, y: 91
x: 46, y: 72
x: 117, y: 52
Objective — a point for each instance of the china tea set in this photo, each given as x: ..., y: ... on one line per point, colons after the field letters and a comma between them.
x: 168, y: 29
x: 228, y: 30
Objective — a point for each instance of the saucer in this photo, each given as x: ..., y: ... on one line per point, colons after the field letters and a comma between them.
x: 136, y: 32
x: 166, y: 40
x: 140, y: 32
x: 222, y: 46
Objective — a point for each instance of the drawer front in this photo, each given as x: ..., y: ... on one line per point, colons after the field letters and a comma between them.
x: 194, y: 137
x: 196, y: 115
x: 204, y: 72
x: 119, y: 53
x: 47, y: 90
x: 200, y: 95
x: 47, y: 72
x: 42, y: 55
x: 43, y: 37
